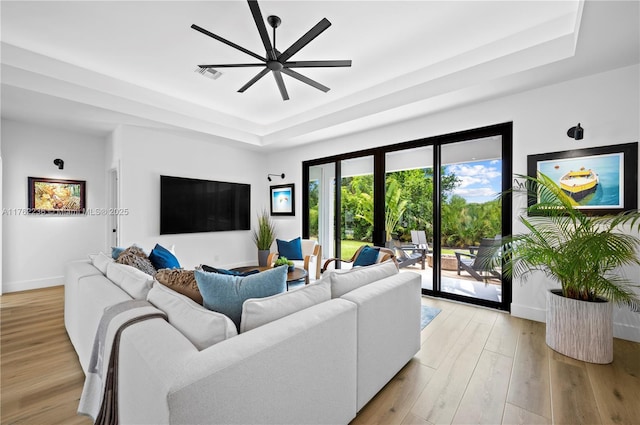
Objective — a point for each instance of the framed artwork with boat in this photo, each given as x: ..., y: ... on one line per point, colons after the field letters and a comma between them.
x: 601, y: 180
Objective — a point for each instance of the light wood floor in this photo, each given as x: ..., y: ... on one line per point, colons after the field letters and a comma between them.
x: 475, y: 366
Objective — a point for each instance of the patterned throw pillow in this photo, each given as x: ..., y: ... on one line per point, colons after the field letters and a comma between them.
x: 181, y: 281
x: 134, y: 256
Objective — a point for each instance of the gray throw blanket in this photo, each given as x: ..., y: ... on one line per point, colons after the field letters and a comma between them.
x: 99, y: 398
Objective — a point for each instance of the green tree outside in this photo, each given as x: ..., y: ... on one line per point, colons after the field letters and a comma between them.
x: 409, y: 206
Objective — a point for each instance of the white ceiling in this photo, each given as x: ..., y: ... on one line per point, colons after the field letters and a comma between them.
x: 93, y: 65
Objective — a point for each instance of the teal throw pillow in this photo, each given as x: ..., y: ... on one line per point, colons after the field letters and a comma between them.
x: 162, y: 258
x: 291, y: 249
x: 367, y: 257
x: 226, y: 293
x: 116, y: 251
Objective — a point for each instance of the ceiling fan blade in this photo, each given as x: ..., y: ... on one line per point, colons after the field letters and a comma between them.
x: 280, y: 82
x: 251, y: 82
x: 304, y: 79
x: 317, y: 64
x: 227, y: 42
x: 262, y: 29
x: 231, y: 65
x: 305, y: 39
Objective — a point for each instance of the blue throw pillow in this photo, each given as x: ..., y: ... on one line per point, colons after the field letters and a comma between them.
x: 162, y: 258
x: 367, y: 257
x: 291, y: 249
x: 226, y: 293
x: 116, y: 251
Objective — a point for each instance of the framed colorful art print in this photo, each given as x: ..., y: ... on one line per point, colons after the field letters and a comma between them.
x: 601, y: 180
x: 56, y: 196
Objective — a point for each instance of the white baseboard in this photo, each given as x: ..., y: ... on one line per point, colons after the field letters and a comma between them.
x: 620, y: 330
x: 623, y: 331
x: 526, y: 312
x: 26, y: 285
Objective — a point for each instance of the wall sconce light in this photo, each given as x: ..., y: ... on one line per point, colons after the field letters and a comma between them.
x: 59, y: 163
x: 576, y: 132
x: 269, y: 176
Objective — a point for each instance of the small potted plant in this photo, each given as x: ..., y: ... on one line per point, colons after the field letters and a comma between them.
x: 583, y: 254
x: 284, y: 261
x: 264, y: 236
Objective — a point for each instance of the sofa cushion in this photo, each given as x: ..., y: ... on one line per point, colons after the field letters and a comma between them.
x: 100, y: 261
x: 162, y: 258
x: 135, y: 256
x: 291, y: 249
x: 202, y: 327
x: 181, y: 281
x: 259, y: 311
x: 367, y: 256
x: 95, y: 294
x: 348, y: 280
x: 225, y: 293
x: 133, y: 281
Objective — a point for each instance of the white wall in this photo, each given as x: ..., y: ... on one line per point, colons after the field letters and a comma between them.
x: 1, y: 225
x: 35, y: 248
x: 606, y: 105
x: 145, y: 154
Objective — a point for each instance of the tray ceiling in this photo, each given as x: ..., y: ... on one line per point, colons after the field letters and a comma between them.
x: 134, y: 62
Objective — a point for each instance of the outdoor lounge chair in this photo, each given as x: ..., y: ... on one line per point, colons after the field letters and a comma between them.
x: 419, y: 239
x: 478, y: 262
x: 407, y: 255
x: 384, y: 254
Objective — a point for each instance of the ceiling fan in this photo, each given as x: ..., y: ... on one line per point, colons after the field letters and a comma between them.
x: 276, y: 62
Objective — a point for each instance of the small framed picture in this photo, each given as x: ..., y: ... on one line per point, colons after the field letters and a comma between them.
x: 601, y: 180
x: 283, y: 199
x: 56, y: 196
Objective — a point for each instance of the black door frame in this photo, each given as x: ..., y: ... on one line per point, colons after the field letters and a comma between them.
x: 505, y: 130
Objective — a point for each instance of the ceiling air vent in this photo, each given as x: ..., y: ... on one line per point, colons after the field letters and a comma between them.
x: 208, y: 72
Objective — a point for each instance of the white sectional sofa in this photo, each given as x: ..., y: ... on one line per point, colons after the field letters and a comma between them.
x: 319, y: 364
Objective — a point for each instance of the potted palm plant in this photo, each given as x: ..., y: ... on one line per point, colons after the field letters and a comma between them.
x: 264, y: 236
x: 583, y: 254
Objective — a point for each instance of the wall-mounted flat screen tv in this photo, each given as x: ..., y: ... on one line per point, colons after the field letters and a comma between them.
x: 192, y: 205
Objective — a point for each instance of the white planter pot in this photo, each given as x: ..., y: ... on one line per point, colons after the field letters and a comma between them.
x: 580, y: 329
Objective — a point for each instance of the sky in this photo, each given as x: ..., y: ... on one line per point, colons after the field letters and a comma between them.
x: 480, y: 181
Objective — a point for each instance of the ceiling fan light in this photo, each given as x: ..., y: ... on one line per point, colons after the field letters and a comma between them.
x: 208, y: 72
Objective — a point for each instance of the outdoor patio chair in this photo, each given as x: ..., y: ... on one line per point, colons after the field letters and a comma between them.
x: 478, y: 263
x: 407, y: 255
x: 419, y: 239
x: 383, y: 254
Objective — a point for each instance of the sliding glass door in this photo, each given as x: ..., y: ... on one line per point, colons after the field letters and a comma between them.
x: 340, y: 216
x: 321, y: 205
x: 356, y: 205
x: 433, y: 201
x: 409, y: 208
x: 471, y: 217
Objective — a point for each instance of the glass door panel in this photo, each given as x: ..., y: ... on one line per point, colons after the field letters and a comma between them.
x: 356, y: 205
x: 409, y: 209
x: 471, y: 217
x: 321, y: 198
